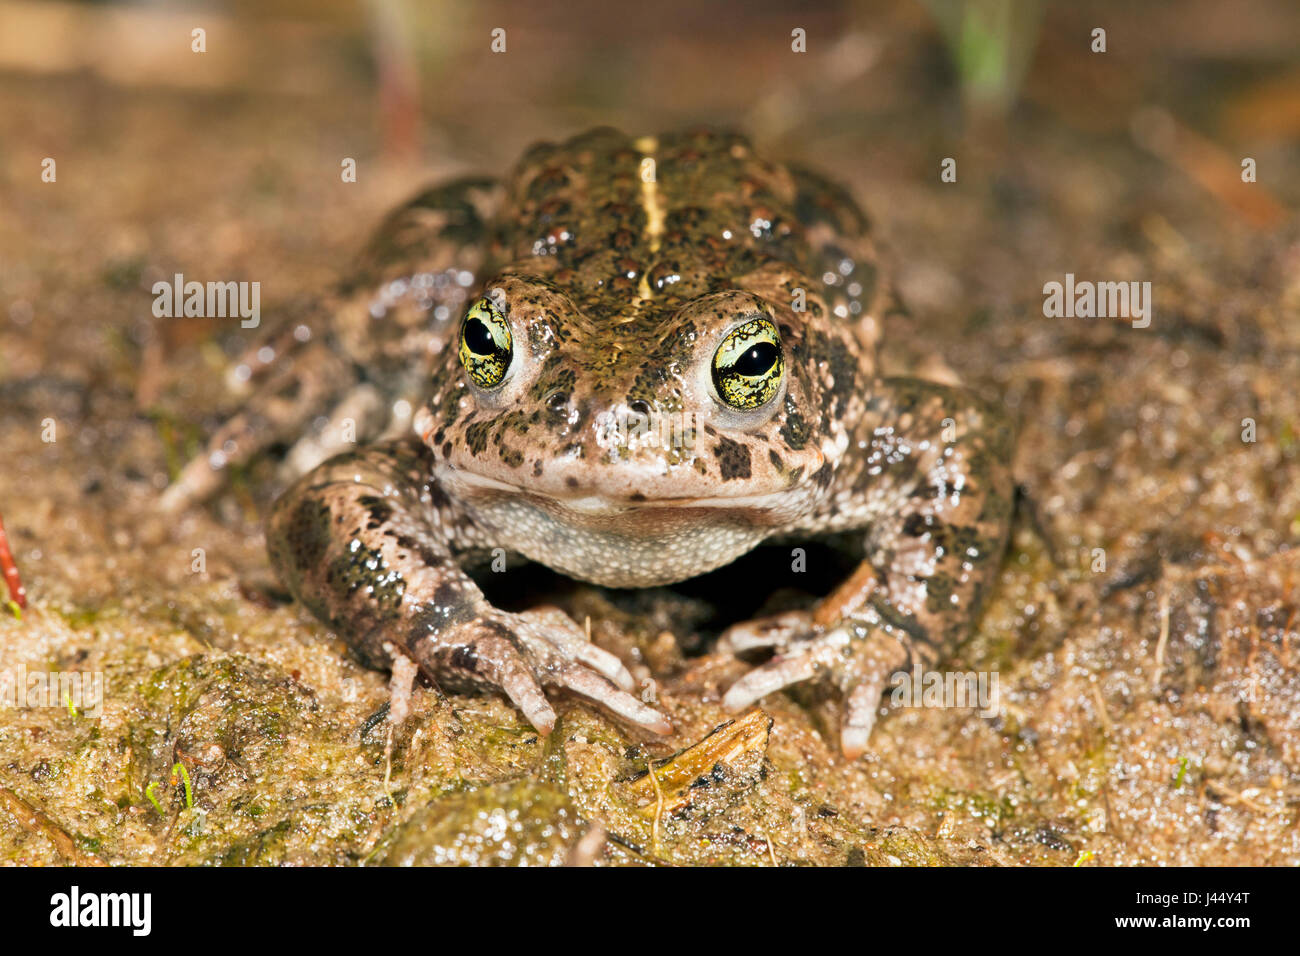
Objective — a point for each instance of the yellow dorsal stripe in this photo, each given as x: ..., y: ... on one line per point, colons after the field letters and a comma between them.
x: 654, y: 212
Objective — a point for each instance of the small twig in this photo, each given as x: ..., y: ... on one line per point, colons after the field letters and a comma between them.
x: 38, y: 822
x: 1101, y: 710
x: 1231, y: 796
x: 659, y: 805
x: 1163, y: 641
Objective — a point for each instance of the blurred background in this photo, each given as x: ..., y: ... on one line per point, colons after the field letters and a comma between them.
x: 227, y: 161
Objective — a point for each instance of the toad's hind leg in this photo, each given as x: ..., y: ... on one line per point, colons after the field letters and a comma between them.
x: 380, y: 328
x: 277, y: 411
x: 935, y: 462
x: 358, y: 417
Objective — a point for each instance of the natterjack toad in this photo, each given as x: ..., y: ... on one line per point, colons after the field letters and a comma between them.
x: 633, y: 362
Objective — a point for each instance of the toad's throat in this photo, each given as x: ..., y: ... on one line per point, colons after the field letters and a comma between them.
x: 614, y: 544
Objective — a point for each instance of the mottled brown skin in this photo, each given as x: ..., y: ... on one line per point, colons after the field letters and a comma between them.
x: 618, y: 287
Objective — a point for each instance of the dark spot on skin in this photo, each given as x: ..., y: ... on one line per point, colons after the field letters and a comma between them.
x: 938, y: 593
x: 636, y: 496
x: 449, y: 408
x: 844, y: 368
x: 822, y: 476
x: 916, y: 525
x: 795, y: 429
x: 571, y: 482
x: 512, y: 457
x: 777, y: 463
x: 464, y: 658
x: 447, y: 594
x: 476, y: 437
x: 446, y: 449
x: 733, y: 459
x: 964, y: 539
x: 290, y: 391
x: 379, y: 510
x: 419, y: 548
x: 447, y: 610
x: 308, y: 533
x: 893, y: 617
x: 537, y: 468
x: 943, y: 489
x: 437, y: 497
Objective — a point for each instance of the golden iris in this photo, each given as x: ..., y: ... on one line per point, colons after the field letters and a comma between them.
x: 485, y: 344
x: 747, y: 366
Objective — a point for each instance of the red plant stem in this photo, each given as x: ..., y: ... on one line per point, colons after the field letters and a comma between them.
x: 10, y: 569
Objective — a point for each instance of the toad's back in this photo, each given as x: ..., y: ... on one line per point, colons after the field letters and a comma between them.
x: 653, y: 222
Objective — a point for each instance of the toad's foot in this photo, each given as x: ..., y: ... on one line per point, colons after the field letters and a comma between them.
x: 855, y: 655
x: 520, y: 654
x: 364, y: 540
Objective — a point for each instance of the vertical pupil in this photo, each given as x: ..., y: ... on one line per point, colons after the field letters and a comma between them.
x: 757, y: 359
x: 478, y: 338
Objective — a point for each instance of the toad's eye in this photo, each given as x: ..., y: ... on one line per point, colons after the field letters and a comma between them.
x: 485, y: 344
x: 747, y: 366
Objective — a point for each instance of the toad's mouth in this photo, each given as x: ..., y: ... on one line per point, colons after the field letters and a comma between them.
x: 587, y: 501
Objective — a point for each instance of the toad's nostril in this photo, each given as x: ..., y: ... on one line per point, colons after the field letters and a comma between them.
x: 639, y: 406
x: 558, y: 401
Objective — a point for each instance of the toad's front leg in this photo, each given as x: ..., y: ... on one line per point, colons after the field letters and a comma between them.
x: 365, y: 542
x: 930, y: 480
